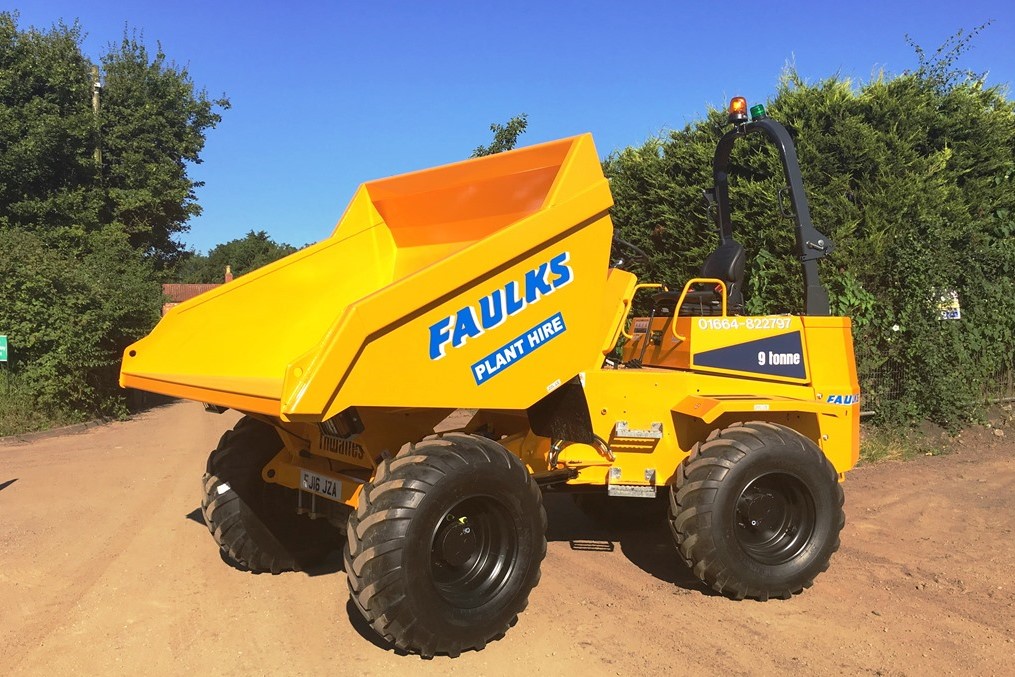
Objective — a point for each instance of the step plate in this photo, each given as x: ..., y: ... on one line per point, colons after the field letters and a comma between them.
x: 631, y: 490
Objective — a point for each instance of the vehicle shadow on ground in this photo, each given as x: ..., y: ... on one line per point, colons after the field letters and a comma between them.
x: 196, y: 515
x: 647, y: 545
x: 331, y: 564
x: 363, y: 629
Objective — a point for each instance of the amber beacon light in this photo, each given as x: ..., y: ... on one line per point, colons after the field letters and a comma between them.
x: 738, y: 110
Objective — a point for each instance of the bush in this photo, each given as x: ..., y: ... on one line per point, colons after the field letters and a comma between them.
x: 18, y: 412
x: 71, y: 304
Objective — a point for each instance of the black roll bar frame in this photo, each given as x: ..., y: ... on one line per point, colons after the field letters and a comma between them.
x: 811, y: 245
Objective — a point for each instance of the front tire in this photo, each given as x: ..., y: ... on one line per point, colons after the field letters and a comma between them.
x: 445, y: 545
x: 756, y: 511
x: 255, y: 523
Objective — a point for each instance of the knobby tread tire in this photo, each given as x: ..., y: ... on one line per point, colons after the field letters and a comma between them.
x: 702, y: 488
x: 254, y: 523
x: 391, y: 517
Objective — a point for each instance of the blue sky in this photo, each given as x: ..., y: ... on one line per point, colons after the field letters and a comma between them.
x: 326, y: 95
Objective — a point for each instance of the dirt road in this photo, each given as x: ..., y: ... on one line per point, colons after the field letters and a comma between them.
x: 106, y: 568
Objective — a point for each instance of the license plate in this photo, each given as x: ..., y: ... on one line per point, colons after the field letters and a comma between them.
x: 320, y: 485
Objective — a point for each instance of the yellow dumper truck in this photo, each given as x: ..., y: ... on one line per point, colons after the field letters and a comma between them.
x: 487, y: 285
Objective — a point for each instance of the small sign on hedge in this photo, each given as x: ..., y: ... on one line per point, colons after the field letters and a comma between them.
x: 948, y: 306
x: 3, y: 348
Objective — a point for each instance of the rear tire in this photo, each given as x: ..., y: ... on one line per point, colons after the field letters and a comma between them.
x: 445, y: 545
x: 254, y: 522
x: 756, y: 511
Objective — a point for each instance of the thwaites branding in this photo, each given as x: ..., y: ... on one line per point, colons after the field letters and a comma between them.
x: 343, y: 447
x: 493, y: 309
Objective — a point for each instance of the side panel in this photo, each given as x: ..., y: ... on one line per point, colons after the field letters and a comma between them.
x: 770, y: 346
x: 515, y: 333
x: 833, y: 368
x: 687, y: 406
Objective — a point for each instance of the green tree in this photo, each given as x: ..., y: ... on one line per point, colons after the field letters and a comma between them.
x: 153, y: 124
x: 505, y: 136
x: 82, y: 242
x: 47, y: 131
x: 242, y: 255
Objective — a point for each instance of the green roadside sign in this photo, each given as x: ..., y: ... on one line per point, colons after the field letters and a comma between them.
x: 3, y: 348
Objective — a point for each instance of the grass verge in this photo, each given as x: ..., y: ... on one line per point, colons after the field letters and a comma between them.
x: 902, y: 444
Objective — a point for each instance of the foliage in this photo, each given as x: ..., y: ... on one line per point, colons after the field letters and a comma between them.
x: 939, y: 70
x: 243, y: 255
x: 912, y: 178
x: 153, y: 125
x: 89, y: 207
x: 47, y: 131
x: 18, y: 413
x: 71, y: 303
x: 505, y: 137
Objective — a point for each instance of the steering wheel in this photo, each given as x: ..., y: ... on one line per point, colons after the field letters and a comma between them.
x: 634, y: 253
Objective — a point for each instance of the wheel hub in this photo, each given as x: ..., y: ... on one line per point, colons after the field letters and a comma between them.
x: 458, y: 543
x: 762, y: 511
x: 473, y: 551
x: 774, y: 518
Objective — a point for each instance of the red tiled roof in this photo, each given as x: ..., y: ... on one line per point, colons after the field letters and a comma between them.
x: 178, y: 293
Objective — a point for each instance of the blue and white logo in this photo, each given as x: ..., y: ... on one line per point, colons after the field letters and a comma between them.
x: 846, y: 400
x: 510, y: 353
x: 492, y: 310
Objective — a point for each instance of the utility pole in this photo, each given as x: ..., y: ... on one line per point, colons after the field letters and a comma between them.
x: 96, y: 90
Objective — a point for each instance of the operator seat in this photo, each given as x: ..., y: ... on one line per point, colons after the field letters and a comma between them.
x: 727, y: 264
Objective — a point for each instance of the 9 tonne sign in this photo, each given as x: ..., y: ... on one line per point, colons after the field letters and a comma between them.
x: 780, y: 355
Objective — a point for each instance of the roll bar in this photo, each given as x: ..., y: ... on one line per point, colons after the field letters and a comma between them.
x: 811, y: 245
